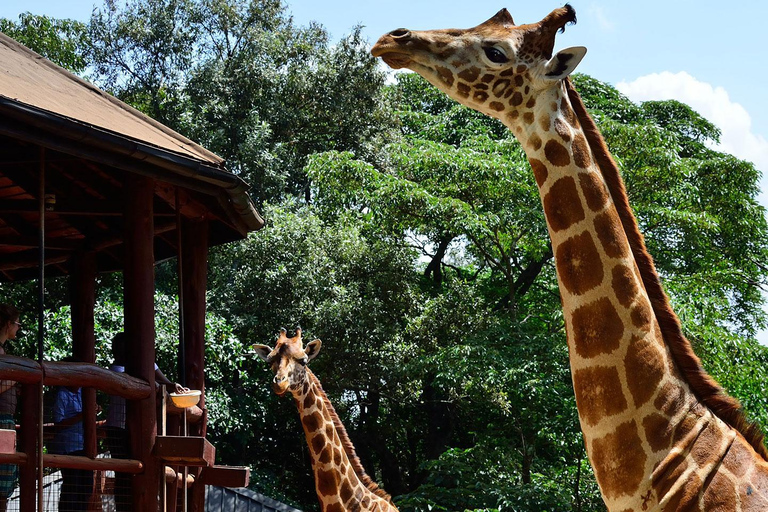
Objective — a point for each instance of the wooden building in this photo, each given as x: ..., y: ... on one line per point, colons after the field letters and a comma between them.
x: 88, y: 184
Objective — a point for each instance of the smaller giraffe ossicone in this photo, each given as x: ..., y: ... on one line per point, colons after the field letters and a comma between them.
x: 340, y: 480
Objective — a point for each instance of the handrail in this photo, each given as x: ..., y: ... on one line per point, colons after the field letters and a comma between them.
x: 28, y: 371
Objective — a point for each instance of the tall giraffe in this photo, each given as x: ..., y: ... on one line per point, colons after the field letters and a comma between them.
x: 340, y: 480
x: 659, y: 432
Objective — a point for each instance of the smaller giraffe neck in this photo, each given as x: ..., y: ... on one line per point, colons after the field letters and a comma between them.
x: 340, y: 480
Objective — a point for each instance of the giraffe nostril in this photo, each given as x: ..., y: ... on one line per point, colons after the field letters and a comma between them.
x: 400, y: 33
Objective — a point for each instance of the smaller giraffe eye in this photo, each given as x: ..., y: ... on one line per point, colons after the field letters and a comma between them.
x: 495, y: 55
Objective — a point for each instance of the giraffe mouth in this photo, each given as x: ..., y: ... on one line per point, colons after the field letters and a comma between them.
x: 395, y: 60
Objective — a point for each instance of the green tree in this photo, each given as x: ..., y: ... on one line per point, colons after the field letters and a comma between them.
x: 62, y: 41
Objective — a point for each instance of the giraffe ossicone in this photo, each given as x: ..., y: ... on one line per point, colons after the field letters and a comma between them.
x: 659, y: 432
x: 340, y: 480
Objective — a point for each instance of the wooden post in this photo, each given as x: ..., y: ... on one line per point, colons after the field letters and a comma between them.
x: 139, y: 284
x: 195, y: 270
x: 194, y: 267
x: 82, y: 294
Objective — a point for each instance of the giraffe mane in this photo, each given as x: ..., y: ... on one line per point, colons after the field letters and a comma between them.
x: 349, y: 448
x: 703, y: 386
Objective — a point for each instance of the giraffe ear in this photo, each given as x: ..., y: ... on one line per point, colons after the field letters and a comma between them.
x: 564, y: 62
x: 262, y: 351
x: 312, y: 349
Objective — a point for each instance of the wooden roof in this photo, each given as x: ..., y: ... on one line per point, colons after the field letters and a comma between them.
x: 86, y: 141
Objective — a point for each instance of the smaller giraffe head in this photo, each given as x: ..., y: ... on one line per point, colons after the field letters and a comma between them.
x: 492, y: 67
x: 288, y: 361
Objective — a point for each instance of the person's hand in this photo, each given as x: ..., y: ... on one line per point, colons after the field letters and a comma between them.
x: 180, y: 389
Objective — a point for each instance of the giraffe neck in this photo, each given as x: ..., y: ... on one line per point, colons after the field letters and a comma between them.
x: 340, y: 482
x: 635, y: 408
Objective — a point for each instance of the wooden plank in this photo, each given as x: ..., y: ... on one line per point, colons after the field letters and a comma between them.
x: 185, y: 451
x: 7, y: 441
x: 226, y: 476
x: 51, y: 460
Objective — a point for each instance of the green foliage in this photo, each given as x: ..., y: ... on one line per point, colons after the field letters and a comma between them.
x: 406, y: 232
x: 64, y: 42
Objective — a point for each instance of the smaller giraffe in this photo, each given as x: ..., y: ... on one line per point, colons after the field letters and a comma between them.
x: 340, y: 480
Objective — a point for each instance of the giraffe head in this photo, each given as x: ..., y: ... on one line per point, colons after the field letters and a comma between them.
x: 288, y: 361
x: 493, y: 67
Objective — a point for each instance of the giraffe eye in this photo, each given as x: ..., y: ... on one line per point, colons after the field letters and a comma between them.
x: 495, y: 55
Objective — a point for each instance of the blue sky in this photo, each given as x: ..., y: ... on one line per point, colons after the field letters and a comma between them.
x: 710, y: 55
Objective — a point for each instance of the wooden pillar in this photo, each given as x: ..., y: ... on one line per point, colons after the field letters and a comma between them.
x: 139, y: 304
x: 82, y: 295
x: 194, y: 269
x: 30, y: 408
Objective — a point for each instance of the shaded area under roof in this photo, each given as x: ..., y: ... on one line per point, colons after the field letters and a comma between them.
x: 87, y: 142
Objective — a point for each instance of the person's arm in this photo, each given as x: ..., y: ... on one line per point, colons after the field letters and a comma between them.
x: 162, y: 379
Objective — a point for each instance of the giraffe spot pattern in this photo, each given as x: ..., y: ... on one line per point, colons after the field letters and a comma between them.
x: 562, y: 204
x: 658, y: 431
x: 544, y: 124
x: 312, y: 421
x: 594, y: 190
x: 498, y: 107
x: 463, y: 90
x: 597, y: 328
x: 738, y: 458
x: 445, y: 75
x: 500, y: 87
x: 487, y: 78
x: 513, y: 115
x: 345, y: 492
x: 481, y: 96
x: 578, y: 264
x: 641, y: 315
x: 719, y: 495
x: 535, y: 142
x: 539, y: 170
x: 619, y: 461
x: 645, y: 367
x: 670, y: 399
x: 580, y: 150
x: 556, y: 153
x: 529, y: 118
x: 516, y: 100
x: 624, y: 284
x: 707, y: 447
x: 470, y: 75
x: 598, y: 393
x: 611, y: 234
x: 531, y: 102
x: 562, y: 129
x: 326, y: 482
x: 685, y: 497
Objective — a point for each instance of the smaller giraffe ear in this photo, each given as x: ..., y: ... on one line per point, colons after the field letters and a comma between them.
x: 564, y: 62
x: 312, y: 349
x: 262, y: 351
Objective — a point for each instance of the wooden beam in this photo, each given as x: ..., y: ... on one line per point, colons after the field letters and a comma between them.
x: 185, y: 451
x: 51, y: 460
x: 94, y: 376
x: 226, y: 476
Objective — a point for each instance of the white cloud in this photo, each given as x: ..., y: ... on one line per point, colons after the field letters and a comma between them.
x: 602, y: 19
x: 715, y: 105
